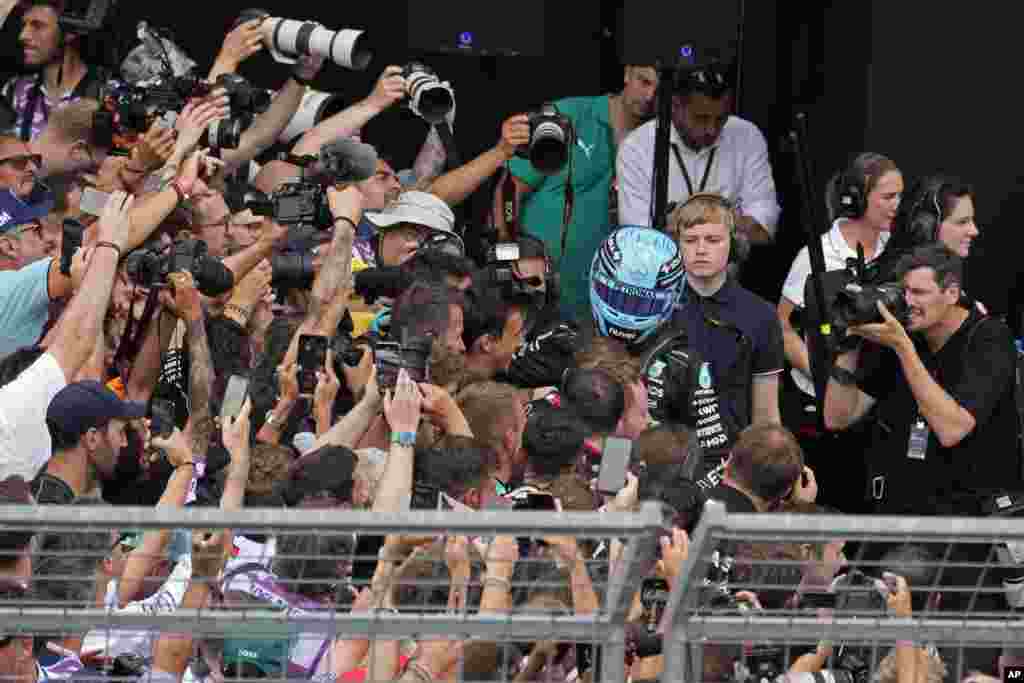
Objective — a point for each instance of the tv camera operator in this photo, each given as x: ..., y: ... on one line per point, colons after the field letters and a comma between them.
x: 943, y: 382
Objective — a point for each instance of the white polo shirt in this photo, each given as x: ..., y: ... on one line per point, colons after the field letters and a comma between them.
x: 837, y: 250
x: 740, y: 171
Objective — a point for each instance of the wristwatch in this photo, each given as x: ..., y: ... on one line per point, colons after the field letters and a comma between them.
x: 843, y: 376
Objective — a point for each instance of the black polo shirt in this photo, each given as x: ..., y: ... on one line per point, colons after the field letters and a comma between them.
x: 739, y: 336
x: 980, y: 376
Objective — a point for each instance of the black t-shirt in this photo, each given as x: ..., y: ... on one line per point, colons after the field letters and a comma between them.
x: 735, y: 501
x: 980, y: 377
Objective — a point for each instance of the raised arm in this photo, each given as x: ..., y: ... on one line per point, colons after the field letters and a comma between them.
x: 390, y: 88
x: 453, y: 187
x: 75, y: 334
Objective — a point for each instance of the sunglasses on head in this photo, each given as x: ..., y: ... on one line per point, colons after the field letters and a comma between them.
x: 21, y: 161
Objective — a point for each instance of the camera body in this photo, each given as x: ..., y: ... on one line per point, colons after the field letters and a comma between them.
x: 151, y: 267
x: 297, y: 203
x: 552, y: 136
x: 126, y: 111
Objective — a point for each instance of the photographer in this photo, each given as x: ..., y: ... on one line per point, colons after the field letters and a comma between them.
x: 600, y: 124
x: 63, y: 76
x: 943, y: 381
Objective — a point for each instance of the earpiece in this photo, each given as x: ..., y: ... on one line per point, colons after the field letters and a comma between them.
x: 851, y: 195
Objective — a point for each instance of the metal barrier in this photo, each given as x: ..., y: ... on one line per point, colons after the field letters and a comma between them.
x: 688, y: 624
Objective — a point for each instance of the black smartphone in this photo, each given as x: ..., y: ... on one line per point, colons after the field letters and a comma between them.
x: 312, y: 356
x: 71, y: 241
x: 234, y: 397
x: 537, y: 501
x: 387, y: 356
x: 614, y: 462
x: 161, y: 413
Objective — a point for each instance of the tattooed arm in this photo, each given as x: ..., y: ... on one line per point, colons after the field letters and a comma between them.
x: 190, y: 310
x: 335, y: 277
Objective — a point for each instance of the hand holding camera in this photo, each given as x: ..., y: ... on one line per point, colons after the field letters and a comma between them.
x: 890, y: 332
x: 515, y: 133
x: 242, y: 42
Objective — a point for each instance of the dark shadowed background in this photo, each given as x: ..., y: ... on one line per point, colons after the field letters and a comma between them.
x: 918, y: 81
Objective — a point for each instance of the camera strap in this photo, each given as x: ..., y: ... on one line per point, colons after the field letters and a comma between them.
x: 451, y: 153
x: 510, y: 207
x: 135, y: 331
x: 570, y: 201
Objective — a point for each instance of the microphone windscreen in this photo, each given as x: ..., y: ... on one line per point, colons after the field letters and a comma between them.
x: 357, y: 158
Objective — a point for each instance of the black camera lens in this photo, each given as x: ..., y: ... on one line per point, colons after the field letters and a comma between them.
x: 292, y: 270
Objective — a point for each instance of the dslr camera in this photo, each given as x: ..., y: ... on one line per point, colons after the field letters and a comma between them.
x: 296, y: 203
x: 151, y: 267
x: 552, y: 136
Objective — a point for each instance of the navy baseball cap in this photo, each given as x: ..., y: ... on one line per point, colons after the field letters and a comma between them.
x: 15, y: 212
x: 79, y: 407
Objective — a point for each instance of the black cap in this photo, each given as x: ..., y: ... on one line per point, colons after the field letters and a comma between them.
x: 81, y: 406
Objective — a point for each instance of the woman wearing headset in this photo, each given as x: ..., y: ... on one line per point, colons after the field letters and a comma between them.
x: 863, y: 202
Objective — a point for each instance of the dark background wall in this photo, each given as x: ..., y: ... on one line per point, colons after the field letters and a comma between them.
x: 919, y: 81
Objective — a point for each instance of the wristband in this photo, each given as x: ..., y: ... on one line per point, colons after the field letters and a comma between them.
x: 843, y: 376
x: 405, y: 439
x: 110, y: 245
x: 186, y: 464
x: 127, y: 167
x: 346, y: 219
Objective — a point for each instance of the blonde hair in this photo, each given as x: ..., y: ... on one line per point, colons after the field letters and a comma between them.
x: 701, y: 208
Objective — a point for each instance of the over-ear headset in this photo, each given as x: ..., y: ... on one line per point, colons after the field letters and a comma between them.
x: 738, y: 248
x: 925, y: 214
x: 851, y: 194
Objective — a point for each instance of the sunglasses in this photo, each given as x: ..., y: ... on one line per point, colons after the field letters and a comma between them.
x: 21, y: 161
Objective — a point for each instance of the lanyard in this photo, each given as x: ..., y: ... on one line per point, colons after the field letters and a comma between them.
x: 686, y: 174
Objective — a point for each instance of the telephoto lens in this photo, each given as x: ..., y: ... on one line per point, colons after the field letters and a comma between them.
x: 288, y: 39
x: 429, y: 98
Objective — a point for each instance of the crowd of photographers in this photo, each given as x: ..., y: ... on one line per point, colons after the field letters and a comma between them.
x: 216, y: 295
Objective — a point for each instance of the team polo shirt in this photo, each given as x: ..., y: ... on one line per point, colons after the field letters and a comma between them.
x: 541, y: 213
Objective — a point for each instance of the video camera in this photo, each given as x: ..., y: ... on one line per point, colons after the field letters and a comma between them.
x: 551, y: 139
x: 151, y: 267
x: 856, y: 303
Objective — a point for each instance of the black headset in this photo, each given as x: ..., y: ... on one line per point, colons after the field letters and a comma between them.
x: 925, y: 214
x: 710, y: 79
x: 738, y: 248
x: 851, y: 194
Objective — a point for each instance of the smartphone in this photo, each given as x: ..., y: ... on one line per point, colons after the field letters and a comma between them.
x: 387, y: 356
x: 312, y: 355
x: 234, y: 397
x: 93, y: 201
x: 71, y: 241
x: 538, y: 501
x: 614, y: 462
x: 161, y: 413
